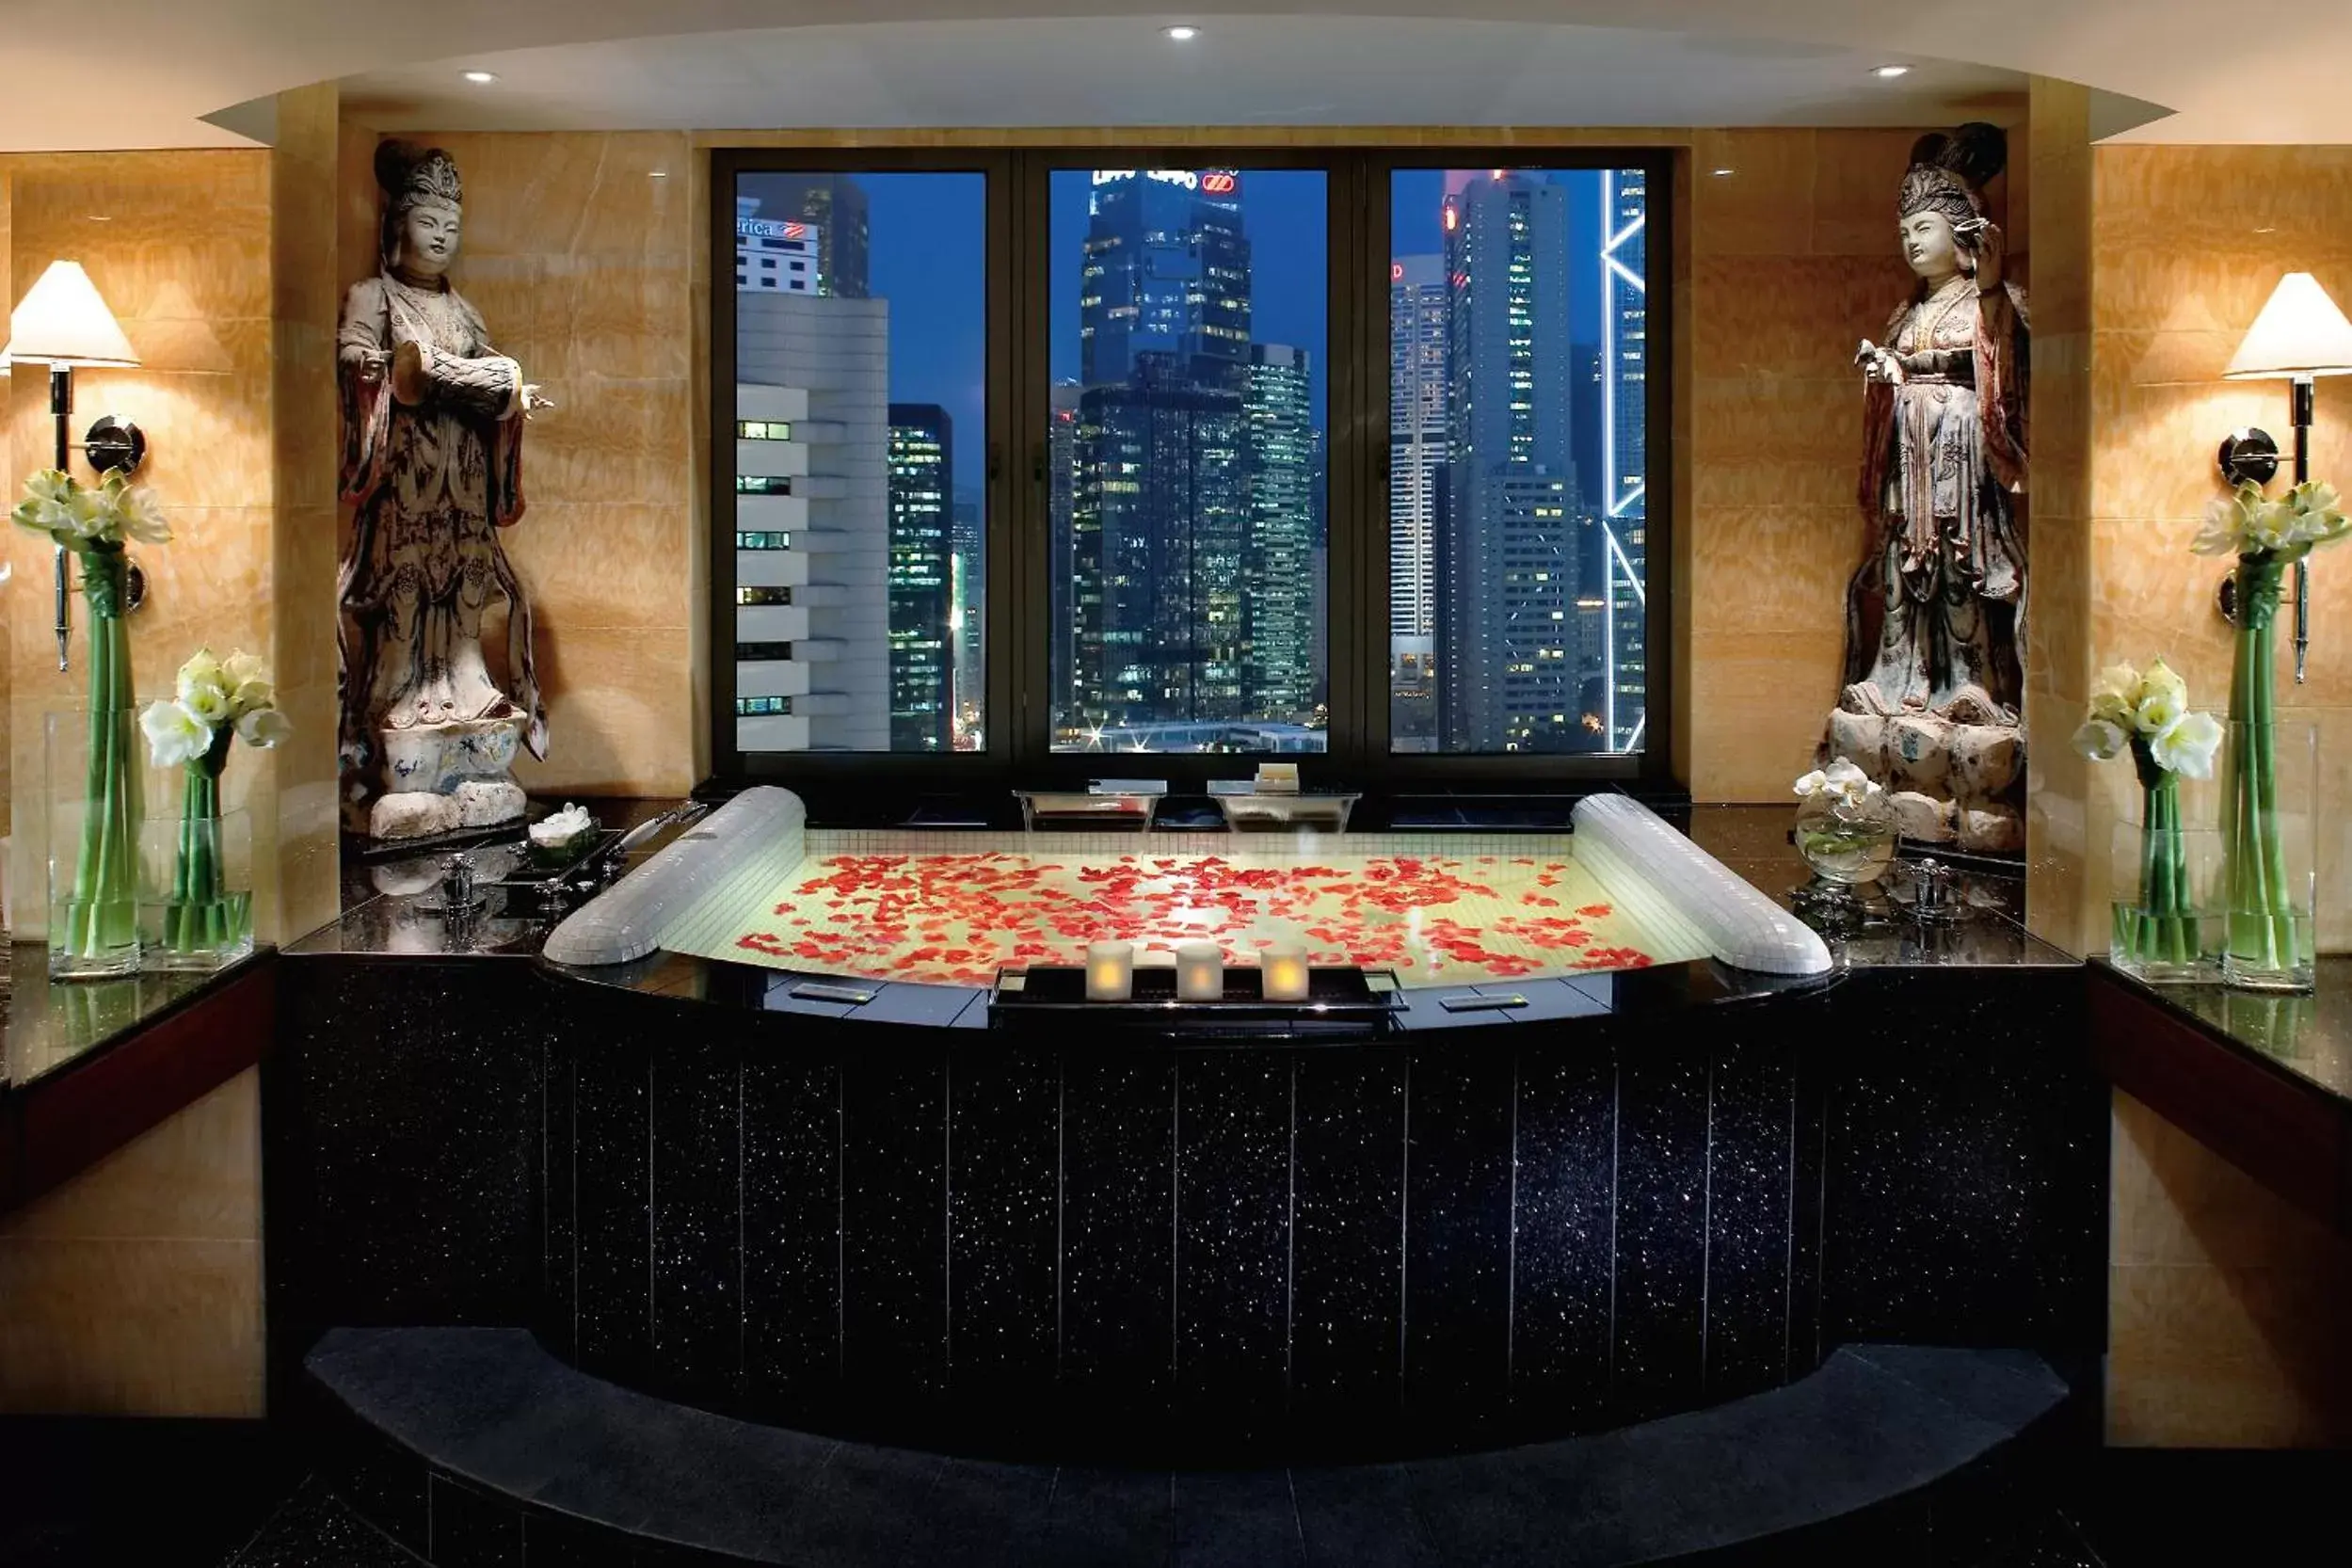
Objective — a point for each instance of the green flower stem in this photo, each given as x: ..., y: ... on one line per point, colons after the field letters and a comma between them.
x: 2263, y: 919
x: 103, y: 913
x: 201, y: 917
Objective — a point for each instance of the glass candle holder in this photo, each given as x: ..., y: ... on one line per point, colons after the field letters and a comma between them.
x: 1200, y: 972
x: 1110, y: 971
x: 1282, y: 971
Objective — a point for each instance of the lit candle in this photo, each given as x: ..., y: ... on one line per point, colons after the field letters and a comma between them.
x: 1282, y: 971
x: 1110, y: 971
x: 1200, y: 972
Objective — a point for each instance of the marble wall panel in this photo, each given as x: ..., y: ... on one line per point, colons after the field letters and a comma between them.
x: 581, y: 251
x: 1793, y: 263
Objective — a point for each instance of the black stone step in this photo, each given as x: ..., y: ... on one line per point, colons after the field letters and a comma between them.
x: 485, y: 1447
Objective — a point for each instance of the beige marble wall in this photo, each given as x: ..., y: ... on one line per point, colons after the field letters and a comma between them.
x: 2058, y: 654
x: 136, y: 1290
x: 580, y: 249
x: 2226, y: 1305
x: 1794, y: 262
x: 178, y: 245
x: 305, y: 443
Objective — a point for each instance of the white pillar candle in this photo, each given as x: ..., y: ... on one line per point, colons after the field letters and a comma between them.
x: 1200, y: 972
x: 1282, y: 971
x: 1110, y: 971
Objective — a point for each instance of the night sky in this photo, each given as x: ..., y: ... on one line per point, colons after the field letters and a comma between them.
x: 927, y: 246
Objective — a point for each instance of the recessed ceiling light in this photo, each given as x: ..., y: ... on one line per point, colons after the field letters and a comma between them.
x: 481, y: 78
x: 1725, y: 173
x: 1182, y: 34
x: 657, y: 173
x: 1888, y: 72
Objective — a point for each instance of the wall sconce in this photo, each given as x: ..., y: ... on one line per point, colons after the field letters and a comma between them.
x: 64, y: 324
x: 2299, y: 335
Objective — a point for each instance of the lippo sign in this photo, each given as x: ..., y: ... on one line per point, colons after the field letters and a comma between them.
x: 1209, y: 182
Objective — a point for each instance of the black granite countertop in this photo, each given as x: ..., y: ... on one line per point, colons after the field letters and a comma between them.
x: 392, y: 909
x: 2307, y: 1038
x: 46, y: 1027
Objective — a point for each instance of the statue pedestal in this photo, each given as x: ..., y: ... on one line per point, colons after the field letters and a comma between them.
x: 1954, y: 777
x: 447, y: 777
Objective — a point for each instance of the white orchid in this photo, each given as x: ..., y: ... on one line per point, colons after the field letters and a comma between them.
x: 174, y: 735
x: 2100, y: 739
x: 1847, y: 788
x: 2187, y: 747
x: 263, y: 727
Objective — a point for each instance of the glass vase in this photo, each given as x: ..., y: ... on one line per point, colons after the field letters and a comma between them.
x: 2163, y: 864
x: 2269, y: 832
x: 2269, y: 784
x: 1845, y: 843
x: 93, y: 792
x: 196, y: 910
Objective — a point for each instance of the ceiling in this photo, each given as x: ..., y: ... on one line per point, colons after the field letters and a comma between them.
x: 1241, y: 70
x: 147, y: 73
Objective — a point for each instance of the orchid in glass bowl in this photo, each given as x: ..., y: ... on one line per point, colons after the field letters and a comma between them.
x: 1846, y: 827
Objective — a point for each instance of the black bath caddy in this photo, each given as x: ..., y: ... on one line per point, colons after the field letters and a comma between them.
x: 1340, y: 1000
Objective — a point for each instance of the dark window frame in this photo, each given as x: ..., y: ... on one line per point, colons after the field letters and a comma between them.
x: 1017, y: 749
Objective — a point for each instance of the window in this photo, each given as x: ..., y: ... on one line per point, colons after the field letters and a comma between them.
x: 1517, y: 461
x: 859, y: 423
x: 1186, y: 534
x: 1020, y: 459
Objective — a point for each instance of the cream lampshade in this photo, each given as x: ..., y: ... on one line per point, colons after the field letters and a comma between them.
x: 2300, y: 333
x: 62, y: 321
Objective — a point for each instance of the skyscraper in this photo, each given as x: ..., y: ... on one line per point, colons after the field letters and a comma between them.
x: 1417, y: 300
x: 1280, y: 554
x: 1625, y: 327
x: 1159, y: 512
x: 1507, y: 565
x: 921, y: 577
x: 1158, y: 527
x: 813, y: 528
x: 836, y: 205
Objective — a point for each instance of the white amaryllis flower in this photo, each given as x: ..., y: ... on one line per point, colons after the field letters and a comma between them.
x: 2187, y: 748
x: 2314, y: 513
x: 202, y: 688
x: 174, y: 735
x: 133, y: 513
x: 263, y: 727
x: 1844, y: 776
x: 2116, y: 693
x: 2157, y: 712
x: 48, y: 504
x: 2220, y: 532
x: 2100, y: 739
x: 247, y: 679
x: 1812, y: 783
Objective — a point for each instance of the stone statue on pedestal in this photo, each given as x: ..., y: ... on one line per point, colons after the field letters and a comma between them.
x: 433, y: 421
x: 1934, y: 688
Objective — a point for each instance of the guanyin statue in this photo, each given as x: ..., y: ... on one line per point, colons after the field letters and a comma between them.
x: 433, y: 418
x: 1934, y: 686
